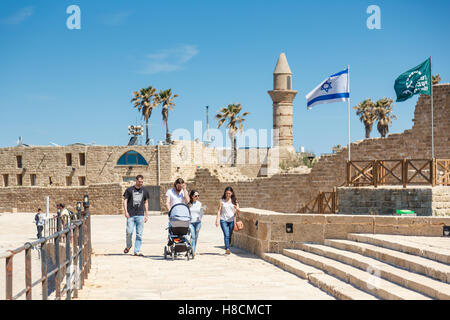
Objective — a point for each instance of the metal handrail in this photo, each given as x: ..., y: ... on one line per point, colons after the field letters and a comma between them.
x: 77, y: 255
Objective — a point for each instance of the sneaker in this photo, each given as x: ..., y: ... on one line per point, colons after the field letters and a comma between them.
x: 227, y: 251
x: 139, y: 254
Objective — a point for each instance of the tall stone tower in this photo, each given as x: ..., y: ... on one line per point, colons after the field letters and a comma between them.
x: 283, y: 96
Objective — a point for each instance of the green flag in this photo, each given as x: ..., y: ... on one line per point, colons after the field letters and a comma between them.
x: 414, y: 81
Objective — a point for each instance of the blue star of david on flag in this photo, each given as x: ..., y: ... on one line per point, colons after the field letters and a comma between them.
x: 326, y: 86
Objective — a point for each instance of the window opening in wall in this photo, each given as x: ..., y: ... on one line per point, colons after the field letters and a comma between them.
x: 19, y: 161
x: 68, y: 159
x: 132, y: 158
x: 19, y: 180
x: 289, y: 83
x: 82, y: 181
x: 33, y: 179
x: 5, y: 180
x: 68, y: 181
x: 82, y: 159
x: 50, y: 180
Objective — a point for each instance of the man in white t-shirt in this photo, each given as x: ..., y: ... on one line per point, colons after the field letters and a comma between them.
x: 178, y: 194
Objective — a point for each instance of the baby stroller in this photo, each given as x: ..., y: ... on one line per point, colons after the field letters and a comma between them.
x: 179, y: 232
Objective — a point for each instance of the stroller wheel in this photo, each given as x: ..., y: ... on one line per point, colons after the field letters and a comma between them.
x: 165, y: 252
x: 187, y: 256
x: 173, y: 255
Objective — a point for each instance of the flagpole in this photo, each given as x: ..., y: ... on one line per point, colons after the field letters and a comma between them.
x: 432, y: 116
x: 348, y: 107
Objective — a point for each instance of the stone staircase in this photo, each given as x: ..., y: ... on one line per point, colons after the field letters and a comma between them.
x: 367, y: 267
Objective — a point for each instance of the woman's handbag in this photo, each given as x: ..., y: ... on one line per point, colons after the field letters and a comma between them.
x: 238, y: 224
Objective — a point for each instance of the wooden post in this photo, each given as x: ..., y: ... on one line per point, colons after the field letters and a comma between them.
x: 319, y: 202
x: 334, y: 200
x: 375, y: 173
x: 348, y: 173
x: 404, y: 172
x: 433, y: 172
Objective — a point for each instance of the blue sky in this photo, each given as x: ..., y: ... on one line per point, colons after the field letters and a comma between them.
x: 64, y: 86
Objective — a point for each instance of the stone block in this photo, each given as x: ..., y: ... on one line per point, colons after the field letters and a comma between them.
x: 309, y: 232
x: 337, y: 230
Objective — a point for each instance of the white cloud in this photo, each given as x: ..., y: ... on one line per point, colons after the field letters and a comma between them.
x: 169, y: 59
x: 19, y: 16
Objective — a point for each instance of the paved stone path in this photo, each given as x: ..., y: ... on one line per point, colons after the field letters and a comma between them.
x: 211, y: 275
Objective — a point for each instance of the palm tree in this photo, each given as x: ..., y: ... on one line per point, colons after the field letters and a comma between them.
x: 436, y: 79
x: 166, y: 99
x: 146, y: 100
x: 231, y: 112
x: 383, y: 109
x: 366, y: 113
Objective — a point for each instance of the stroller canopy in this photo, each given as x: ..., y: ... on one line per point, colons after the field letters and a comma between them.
x: 180, y: 212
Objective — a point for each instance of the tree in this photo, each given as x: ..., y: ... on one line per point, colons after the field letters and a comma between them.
x: 436, y: 79
x: 366, y: 112
x: 383, y: 110
x: 166, y: 99
x: 146, y: 100
x: 231, y: 113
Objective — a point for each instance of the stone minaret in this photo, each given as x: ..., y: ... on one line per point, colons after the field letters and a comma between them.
x: 283, y: 96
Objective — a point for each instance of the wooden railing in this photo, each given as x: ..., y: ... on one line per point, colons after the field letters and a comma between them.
x: 404, y: 172
x: 324, y: 202
x: 398, y: 172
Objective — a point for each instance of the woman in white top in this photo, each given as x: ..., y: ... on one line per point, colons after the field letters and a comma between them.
x: 196, y: 209
x: 178, y: 194
x: 227, y: 208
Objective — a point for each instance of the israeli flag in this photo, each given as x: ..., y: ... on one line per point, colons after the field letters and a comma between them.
x: 335, y: 88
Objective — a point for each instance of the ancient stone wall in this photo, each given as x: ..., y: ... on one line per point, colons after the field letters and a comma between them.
x: 384, y: 200
x: 103, y: 198
x: 64, y: 166
x: 265, y: 231
x: 281, y: 192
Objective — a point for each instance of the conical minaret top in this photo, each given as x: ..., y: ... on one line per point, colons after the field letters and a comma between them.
x: 282, y: 65
x: 282, y: 75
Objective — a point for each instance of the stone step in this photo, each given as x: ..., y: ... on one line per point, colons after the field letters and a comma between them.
x: 424, y: 266
x: 422, y: 284
x: 332, y: 285
x: 362, y: 280
x: 426, y: 251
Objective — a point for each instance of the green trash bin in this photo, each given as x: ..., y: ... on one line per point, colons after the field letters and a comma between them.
x: 405, y: 213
